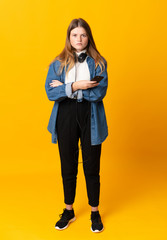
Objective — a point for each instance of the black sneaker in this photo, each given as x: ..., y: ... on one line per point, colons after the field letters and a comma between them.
x: 97, y: 225
x: 65, y: 218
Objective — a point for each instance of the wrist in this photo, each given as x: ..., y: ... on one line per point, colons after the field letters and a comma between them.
x: 74, y: 86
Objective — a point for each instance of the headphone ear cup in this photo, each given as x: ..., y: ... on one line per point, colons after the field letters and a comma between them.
x: 81, y: 57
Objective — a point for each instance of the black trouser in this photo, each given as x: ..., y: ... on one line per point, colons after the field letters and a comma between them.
x: 73, y: 122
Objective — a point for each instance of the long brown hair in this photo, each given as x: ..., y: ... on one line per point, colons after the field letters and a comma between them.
x: 67, y: 55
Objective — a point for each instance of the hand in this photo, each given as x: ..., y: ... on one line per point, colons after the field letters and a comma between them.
x: 55, y: 83
x: 84, y: 84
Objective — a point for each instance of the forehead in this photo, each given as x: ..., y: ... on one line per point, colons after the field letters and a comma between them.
x: 78, y: 30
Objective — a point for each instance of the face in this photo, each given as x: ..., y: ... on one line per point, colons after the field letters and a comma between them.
x: 78, y: 38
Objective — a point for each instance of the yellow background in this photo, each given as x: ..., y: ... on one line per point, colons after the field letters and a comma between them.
x: 132, y: 36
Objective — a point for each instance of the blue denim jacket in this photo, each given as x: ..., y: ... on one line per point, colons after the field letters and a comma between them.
x: 99, y: 128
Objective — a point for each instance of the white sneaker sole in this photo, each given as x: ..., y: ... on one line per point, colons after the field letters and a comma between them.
x: 71, y: 220
x: 97, y: 231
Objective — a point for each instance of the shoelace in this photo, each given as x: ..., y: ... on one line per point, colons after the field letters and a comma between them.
x: 64, y: 216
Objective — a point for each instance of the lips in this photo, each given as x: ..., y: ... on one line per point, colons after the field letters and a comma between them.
x: 79, y: 43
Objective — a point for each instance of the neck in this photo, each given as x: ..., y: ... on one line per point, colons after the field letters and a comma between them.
x: 79, y: 51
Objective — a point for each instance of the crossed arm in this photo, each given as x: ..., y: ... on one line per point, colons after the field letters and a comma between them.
x: 82, y: 84
x: 92, y: 91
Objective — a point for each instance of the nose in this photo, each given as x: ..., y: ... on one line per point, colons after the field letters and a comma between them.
x: 79, y: 39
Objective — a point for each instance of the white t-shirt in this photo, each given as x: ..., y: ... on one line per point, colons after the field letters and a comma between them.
x: 82, y: 71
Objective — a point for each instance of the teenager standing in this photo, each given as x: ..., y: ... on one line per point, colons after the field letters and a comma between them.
x: 78, y: 113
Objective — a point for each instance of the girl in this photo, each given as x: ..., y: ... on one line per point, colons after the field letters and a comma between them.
x: 78, y: 113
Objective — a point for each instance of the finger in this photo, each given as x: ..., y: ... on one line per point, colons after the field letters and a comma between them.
x: 95, y: 84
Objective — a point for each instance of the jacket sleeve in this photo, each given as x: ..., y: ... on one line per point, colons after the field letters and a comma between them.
x: 57, y: 93
x: 96, y: 94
